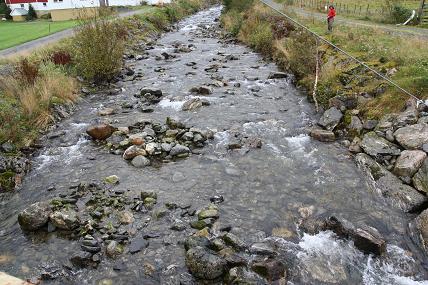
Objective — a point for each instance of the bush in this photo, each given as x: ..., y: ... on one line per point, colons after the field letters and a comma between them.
x: 98, y: 47
x: 61, y: 58
x: 232, y: 22
x: 396, y: 12
x: 261, y: 39
x: 27, y: 72
x: 11, y: 119
x: 5, y: 10
x: 239, y: 5
x: 32, y: 15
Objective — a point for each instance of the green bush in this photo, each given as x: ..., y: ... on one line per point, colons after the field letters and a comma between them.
x: 5, y: 10
x: 98, y: 47
x: 261, y: 39
x: 11, y: 119
x: 158, y: 18
x: 239, y: 5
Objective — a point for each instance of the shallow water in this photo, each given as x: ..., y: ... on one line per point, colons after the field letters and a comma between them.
x: 263, y: 189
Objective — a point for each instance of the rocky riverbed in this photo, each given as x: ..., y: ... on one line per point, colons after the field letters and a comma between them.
x: 197, y: 167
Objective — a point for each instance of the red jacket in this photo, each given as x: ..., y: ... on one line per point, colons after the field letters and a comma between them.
x: 331, y: 13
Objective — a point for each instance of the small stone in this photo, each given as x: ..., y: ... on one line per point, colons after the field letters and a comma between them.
x: 113, y: 249
x: 140, y: 161
x: 106, y: 112
x: 126, y: 217
x: 179, y: 150
x: 133, y: 151
x: 100, y: 132
x: 322, y: 135
x: 233, y: 241
x: 331, y: 118
x: 113, y: 179
x: 65, y: 219
x: 137, y: 245
x: 209, y: 213
x: 270, y: 269
x: 204, y: 264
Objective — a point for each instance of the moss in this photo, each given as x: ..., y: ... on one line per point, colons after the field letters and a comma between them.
x: 7, y: 180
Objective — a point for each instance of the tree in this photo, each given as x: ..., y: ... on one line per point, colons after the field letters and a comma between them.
x: 5, y: 10
x: 31, y: 13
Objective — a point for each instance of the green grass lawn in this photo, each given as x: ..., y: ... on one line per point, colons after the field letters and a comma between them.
x: 15, y: 33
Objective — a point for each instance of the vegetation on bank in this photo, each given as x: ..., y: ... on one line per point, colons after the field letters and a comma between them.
x: 404, y: 59
x: 47, y: 78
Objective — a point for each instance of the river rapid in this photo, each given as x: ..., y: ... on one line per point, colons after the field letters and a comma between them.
x: 266, y: 191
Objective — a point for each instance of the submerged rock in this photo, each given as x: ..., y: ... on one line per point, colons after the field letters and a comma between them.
x: 205, y: 264
x: 322, y: 135
x: 202, y: 90
x: 412, y: 137
x: 278, y: 75
x: 270, y: 269
x: 422, y: 227
x: 35, y: 216
x: 140, y: 161
x: 65, y: 219
x: 100, y: 132
x: 389, y: 186
x: 179, y: 149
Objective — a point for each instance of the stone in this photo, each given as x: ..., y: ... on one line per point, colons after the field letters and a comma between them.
x: 133, y: 151
x: 408, y: 117
x: 187, y: 136
x: 241, y: 275
x: 355, y: 146
x: 195, y: 241
x: 374, y: 145
x: 149, y: 194
x: 194, y: 104
x: 278, y: 75
x: 409, y: 162
x: 112, y: 179
x: 370, y: 125
x: 369, y: 241
x: 179, y: 149
x: 270, y: 269
x: 262, y: 248
x: 412, y: 137
x: 113, y: 249
x: 166, y: 147
x: 355, y: 127
x: 387, y: 122
x: 174, y: 124
x: 330, y: 119
x: 151, y: 148
x: 106, y: 112
x: 202, y: 90
x: 140, y: 161
x: 234, y: 241
x: 82, y: 259
x: 422, y: 227
x: 201, y: 224
x: 420, y: 180
x: 390, y: 186
x: 35, y: 216
x: 137, y: 245
x: 65, y: 219
x: 126, y: 217
x: 100, y: 132
x: 322, y: 135
x: 343, y: 102
x: 204, y: 264
x: 208, y: 213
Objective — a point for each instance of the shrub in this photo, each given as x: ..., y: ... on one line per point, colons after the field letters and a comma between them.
x: 98, y: 47
x: 396, y: 12
x: 31, y: 13
x: 11, y: 119
x: 232, y: 22
x: 27, y: 71
x: 61, y: 58
x: 261, y: 39
x: 158, y: 18
x: 5, y: 10
x: 239, y: 5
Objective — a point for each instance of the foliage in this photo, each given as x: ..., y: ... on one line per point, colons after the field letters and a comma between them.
x: 32, y: 15
x: 5, y: 10
x: 238, y: 5
x: 61, y: 58
x: 27, y: 72
x: 98, y: 47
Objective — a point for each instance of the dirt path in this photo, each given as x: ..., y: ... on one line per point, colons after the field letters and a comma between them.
x: 397, y: 30
x: 35, y: 44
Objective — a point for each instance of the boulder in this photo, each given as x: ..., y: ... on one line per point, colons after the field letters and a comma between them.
x: 270, y: 269
x: 370, y: 124
x: 422, y: 227
x: 355, y: 146
x: 133, y: 151
x: 420, y: 180
x: 140, y: 161
x: 331, y: 118
x: 113, y: 249
x: 100, y: 132
x: 369, y: 241
x: 278, y: 75
x: 137, y: 245
x: 343, y: 102
x: 409, y: 162
x: 390, y: 186
x: 387, y: 122
x: 35, y: 216
x: 375, y: 145
x: 205, y: 264
x: 179, y: 149
x: 356, y: 126
x: 412, y: 137
x: 202, y: 90
x: 322, y: 135
x: 65, y: 219
x: 408, y: 117
x: 234, y: 241
x: 194, y: 104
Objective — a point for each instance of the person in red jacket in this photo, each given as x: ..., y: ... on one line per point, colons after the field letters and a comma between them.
x: 330, y: 17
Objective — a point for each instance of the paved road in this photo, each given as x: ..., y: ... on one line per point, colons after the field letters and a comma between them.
x: 35, y: 44
x: 399, y: 30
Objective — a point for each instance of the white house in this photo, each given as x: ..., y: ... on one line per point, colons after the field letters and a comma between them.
x: 69, y: 9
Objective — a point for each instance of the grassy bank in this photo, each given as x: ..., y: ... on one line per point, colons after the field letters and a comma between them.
x: 405, y: 60
x: 15, y: 33
x: 47, y: 77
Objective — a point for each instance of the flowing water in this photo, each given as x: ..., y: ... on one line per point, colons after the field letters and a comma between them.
x: 263, y: 188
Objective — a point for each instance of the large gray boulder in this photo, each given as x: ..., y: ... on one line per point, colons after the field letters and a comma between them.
x: 179, y: 149
x: 204, y: 264
x: 390, y: 186
x: 412, y: 137
x: 420, y: 180
x: 35, y: 216
x: 409, y: 162
x: 331, y: 118
x: 408, y: 117
x: 375, y: 145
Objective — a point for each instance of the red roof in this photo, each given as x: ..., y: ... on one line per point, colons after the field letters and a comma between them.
x: 25, y: 1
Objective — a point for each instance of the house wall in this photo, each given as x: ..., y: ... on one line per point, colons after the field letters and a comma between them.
x: 18, y: 18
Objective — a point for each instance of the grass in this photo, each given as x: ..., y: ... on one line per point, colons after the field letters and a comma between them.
x: 405, y: 60
x: 15, y: 33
